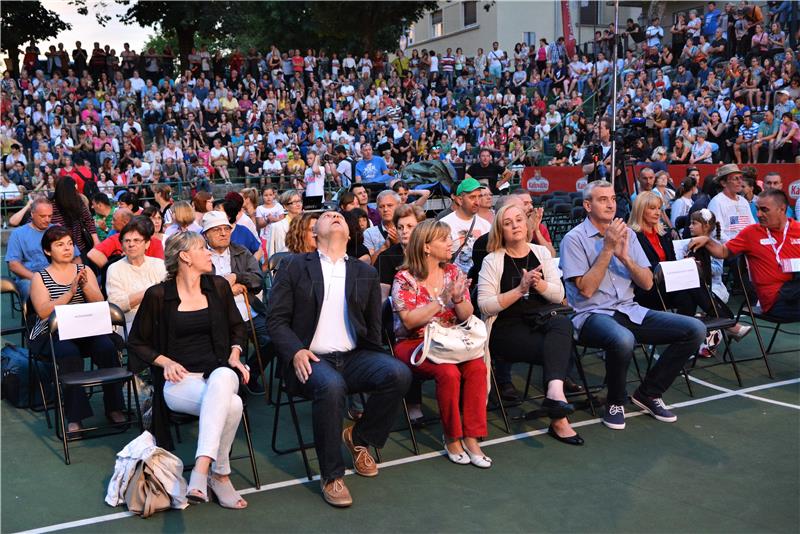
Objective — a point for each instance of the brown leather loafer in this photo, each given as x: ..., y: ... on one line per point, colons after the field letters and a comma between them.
x: 336, y: 493
x: 363, y: 462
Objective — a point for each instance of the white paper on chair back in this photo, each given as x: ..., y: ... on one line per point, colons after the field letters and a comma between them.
x: 83, y: 320
x: 681, y: 274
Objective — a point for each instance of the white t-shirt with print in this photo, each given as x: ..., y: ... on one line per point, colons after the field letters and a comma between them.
x: 458, y: 232
x: 732, y: 215
x: 265, y: 213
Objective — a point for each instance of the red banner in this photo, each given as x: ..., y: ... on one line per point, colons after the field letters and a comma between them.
x: 566, y: 23
x: 550, y: 179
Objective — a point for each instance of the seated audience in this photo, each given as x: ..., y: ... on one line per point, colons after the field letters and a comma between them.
x: 184, y: 219
x: 240, y: 268
x: 65, y: 282
x: 602, y: 261
x: 128, y: 278
x: 111, y: 247
x: 645, y: 220
x: 428, y: 287
x: 324, y: 319
x: 729, y: 207
x: 464, y: 222
x: 767, y: 246
x: 195, y: 361
x: 292, y: 201
x: 300, y: 238
x: 516, y: 281
x: 24, y: 253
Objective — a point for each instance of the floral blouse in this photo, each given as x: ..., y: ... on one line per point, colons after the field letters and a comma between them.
x: 408, y: 294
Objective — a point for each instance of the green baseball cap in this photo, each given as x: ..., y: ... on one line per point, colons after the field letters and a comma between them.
x: 468, y: 185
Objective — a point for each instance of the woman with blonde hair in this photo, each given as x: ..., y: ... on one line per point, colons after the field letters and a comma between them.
x: 191, y: 331
x: 184, y: 220
x: 518, y: 280
x: 430, y: 288
x: 301, y: 237
x: 656, y: 242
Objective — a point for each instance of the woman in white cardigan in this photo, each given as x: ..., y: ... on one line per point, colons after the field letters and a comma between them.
x: 128, y: 278
x: 516, y: 279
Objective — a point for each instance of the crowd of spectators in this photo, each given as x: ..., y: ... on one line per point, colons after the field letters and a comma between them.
x: 722, y: 85
x: 105, y: 154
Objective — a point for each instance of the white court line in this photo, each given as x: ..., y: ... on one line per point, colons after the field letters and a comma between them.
x: 741, y: 393
x: 726, y: 393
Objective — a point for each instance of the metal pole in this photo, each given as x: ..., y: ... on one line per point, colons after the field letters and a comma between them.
x: 614, y: 97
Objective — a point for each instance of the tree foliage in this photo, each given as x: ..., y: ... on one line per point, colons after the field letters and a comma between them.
x: 355, y: 26
x: 27, y: 21
x: 185, y: 19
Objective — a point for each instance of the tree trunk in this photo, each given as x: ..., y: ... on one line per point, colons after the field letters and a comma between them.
x: 13, y: 59
x: 185, y: 44
x: 656, y: 9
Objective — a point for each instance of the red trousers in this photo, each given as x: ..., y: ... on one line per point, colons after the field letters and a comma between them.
x: 465, y: 382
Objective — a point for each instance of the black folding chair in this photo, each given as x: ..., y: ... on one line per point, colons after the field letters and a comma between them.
x: 712, y: 323
x: 90, y: 379
x: 302, y: 445
x: 751, y: 307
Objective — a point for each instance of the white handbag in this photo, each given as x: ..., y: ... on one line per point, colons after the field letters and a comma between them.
x: 457, y: 344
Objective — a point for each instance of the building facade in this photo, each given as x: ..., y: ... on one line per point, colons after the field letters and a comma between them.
x: 476, y: 24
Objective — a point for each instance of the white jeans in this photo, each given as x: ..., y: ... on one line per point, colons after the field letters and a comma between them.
x: 215, y: 401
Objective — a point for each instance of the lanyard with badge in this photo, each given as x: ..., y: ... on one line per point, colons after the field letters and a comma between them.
x: 789, y: 265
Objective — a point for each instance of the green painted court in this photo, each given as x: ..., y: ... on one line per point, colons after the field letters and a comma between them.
x: 730, y: 464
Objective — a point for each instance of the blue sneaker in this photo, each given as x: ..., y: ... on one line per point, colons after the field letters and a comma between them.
x: 653, y: 406
x: 614, y: 417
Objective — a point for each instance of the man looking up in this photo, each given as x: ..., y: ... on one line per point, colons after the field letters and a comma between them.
x: 324, y: 320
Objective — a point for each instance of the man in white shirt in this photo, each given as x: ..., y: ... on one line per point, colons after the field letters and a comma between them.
x: 731, y: 210
x: 654, y: 34
x: 465, y: 225
x: 142, y: 168
x: 324, y: 321
x: 495, y: 58
x: 240, y: 268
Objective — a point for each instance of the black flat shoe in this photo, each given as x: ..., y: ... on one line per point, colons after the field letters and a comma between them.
x: 557, y: 409
x: 570, y: 387
x: 572, y: 440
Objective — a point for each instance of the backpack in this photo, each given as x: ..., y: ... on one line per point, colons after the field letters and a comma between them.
x: 15, y: 379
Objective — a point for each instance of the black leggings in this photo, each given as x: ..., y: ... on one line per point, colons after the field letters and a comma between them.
x: 551, y: 347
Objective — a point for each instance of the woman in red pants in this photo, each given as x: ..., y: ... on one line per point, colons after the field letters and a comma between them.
x: 429, y: 288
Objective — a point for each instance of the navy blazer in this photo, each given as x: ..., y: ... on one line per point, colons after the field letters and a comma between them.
x: 296, y: 297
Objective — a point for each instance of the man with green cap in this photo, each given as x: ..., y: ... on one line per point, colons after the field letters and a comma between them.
x: 465, y: 225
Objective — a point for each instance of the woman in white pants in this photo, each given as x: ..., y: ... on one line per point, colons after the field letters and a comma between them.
x: 189, y: 328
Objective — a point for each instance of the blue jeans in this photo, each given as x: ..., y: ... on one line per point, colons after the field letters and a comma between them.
x: 544, y: 87
x: 23, y: 285
x: 618, y: 336
x: 335, y: 376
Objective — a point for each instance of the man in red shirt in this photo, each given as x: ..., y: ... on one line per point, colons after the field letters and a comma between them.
x: 111, y: 245
x: 771, y: 247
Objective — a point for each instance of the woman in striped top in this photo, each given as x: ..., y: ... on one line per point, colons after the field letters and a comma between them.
x: 64, y: 282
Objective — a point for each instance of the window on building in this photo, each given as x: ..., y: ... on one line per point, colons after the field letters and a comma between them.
x: 437, y: 26
x: 589, y: 13
x: 530, y: 38
x: 470, y: 13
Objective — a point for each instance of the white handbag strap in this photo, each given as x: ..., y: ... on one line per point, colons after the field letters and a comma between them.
x: 420, y: 354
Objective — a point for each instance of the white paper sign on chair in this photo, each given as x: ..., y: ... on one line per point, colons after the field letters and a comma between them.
x: 83, y: 320
x: 681, y: 274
